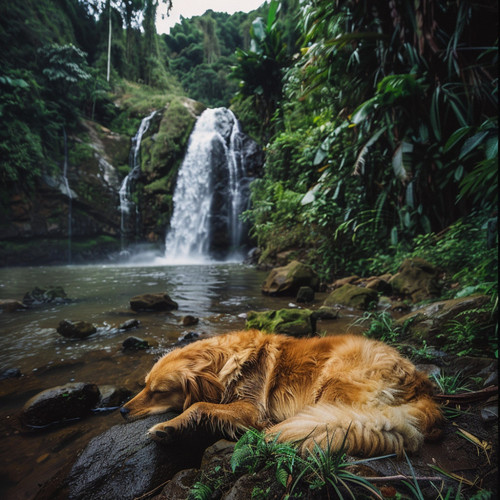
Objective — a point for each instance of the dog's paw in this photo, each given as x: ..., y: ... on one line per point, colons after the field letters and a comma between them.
x: 162, y: 433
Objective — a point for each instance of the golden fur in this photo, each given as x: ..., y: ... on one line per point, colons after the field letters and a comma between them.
x: 307, y: 390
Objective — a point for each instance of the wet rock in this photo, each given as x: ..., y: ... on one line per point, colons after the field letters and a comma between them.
x: 295, y: 322
x: 59, y: 404
x: 325, y: 312
x: 45, y: 296
x: 179, y: 486
x: 305, y: 294
x: 416, y: 279
x: 130, y: 324
x: 10, y: 373
x: 125, y: 463
x: 113, y: 397
x: 352, y: 296
x: 188, y: 338
x: 75, y: 329
x: 153, y: 302
x: 134, y: 344
x: 288, y: 279
x: 189, y: 320
x: 11, y: 305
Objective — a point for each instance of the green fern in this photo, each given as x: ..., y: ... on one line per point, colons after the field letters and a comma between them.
x: 200, y: 491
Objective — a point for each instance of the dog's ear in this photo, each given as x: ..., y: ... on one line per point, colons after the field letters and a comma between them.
x: 202, y: 387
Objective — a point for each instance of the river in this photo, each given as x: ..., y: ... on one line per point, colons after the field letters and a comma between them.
x: 218, y: 294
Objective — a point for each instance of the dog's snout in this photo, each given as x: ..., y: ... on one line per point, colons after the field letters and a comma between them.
x: 124, y: 411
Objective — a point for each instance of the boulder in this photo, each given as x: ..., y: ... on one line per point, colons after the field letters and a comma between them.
x: 125, y: 463
x: 153, y: 302
x: 326, y: 312
x: 294, y: 322
x: 10, y: 373
x: 134, y: 344
x: 75, y: 329
x: 130, y: 324
x: 215, y: 467
x: 189, y: 320
x: 305, y: 294
x: 287, y: 280
x: 352, y: 296
x: 180, y: 485
x: 429, y: 322
x: 45, y: 296
x: 11, y: 305
x: 60, y: 404
x: 417, y: 280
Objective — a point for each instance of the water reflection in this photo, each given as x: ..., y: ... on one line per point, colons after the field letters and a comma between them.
x: 101, y: 295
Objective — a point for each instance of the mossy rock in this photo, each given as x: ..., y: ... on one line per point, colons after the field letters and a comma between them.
x: 294, y: 322
x: 431, y: 321
x: 416, y: 279
x: 352, y: 296
x: 287, y: 280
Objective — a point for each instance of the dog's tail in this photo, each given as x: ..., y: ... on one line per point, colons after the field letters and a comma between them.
x: 367, y: 431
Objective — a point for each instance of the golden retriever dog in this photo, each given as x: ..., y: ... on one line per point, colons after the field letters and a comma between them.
x: 320, y: 390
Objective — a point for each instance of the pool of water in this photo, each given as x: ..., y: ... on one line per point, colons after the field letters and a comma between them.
x: 216, y: 294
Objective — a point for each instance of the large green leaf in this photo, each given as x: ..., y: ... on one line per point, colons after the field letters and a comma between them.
x: 364, y: 110
x: 455, y: 138
x: 472, y: 143
x: 271, y: 17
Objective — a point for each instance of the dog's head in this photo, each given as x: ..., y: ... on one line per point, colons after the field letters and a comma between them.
x: 176, y: 381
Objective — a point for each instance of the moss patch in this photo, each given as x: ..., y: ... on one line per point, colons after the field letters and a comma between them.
x: 295, y: 322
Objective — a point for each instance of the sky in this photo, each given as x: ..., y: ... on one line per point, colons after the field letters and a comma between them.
x: 190, y: 8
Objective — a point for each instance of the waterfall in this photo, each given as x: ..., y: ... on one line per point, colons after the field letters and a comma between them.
x: 209, y: 197
x: 127, y: 206
x: 68, y: 191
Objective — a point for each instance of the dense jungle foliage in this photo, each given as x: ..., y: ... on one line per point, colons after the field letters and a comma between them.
x: 379, y: 119
x: 384, y: 133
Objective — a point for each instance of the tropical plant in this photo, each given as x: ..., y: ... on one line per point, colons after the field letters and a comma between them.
x: 260, y: 68
x: 322, y: 469
x: 450, y: 384
x: 380, y: 327
x: 404, y: 123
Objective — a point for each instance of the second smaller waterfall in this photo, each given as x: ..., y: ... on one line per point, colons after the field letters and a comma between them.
x: 128, y: 209
x: 68, y: 190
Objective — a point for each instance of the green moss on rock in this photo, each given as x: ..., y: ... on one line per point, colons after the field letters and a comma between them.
x: 295, y: 322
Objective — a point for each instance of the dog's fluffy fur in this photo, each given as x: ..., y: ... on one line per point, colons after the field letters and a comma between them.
x: 308, y: 390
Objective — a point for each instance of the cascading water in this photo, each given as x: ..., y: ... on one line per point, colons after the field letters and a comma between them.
x: 68, y: 191
x: 127, y: 206
x: 210, y: 193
